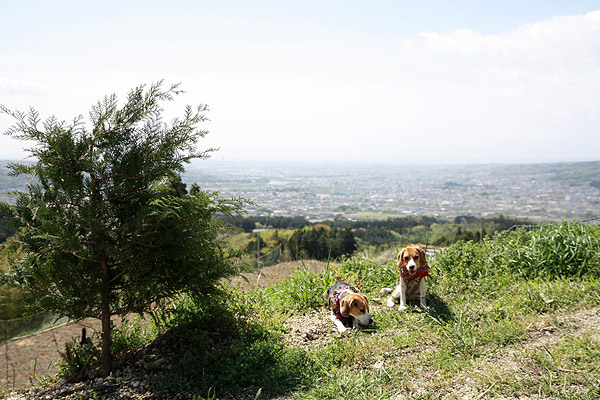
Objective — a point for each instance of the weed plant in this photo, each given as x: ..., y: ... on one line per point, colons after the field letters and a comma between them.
x: 79, y: 358
x: 133, y: 334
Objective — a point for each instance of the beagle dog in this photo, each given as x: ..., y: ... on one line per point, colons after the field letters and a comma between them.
x: 349, y: 307
x: 411, y: 284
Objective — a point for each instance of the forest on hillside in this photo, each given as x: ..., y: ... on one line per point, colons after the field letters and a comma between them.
x: 284, y: 239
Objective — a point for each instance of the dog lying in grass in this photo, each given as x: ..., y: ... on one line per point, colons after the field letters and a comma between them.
x: 411, y: 283
x: 350, y: 308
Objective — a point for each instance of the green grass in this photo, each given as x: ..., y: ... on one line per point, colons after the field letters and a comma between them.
x: 480, y: 336
x: 551, y: 251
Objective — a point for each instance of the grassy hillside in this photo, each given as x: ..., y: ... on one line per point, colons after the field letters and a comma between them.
x: 516, y: 316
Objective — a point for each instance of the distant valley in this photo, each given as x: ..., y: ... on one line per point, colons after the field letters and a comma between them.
x: 541, y: 192
x: 318, y: 191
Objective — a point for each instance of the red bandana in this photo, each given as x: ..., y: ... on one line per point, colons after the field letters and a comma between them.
x: 336, y: 305
x: 407, y: 277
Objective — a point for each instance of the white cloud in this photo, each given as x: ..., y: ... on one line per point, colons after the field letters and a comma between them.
x: 15, y: 87
x: 514, y: 93
x: 556, y: 40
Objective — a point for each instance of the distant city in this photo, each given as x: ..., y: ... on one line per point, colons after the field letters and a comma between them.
x: 540, y: 192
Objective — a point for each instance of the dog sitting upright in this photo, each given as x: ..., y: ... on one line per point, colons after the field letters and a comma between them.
x: 413, y: 270
x: 350, y: 308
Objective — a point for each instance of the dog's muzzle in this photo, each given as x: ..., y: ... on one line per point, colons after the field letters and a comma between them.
x: 364, y: 320
x: 411, y: 268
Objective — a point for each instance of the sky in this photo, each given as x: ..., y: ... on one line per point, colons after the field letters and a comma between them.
x: 401, y: 82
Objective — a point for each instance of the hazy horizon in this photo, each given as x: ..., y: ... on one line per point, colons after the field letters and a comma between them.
x: 221, y: 161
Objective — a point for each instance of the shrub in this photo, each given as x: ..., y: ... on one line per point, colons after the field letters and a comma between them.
x: 569, y: 249
x: 551, y: 251
x: 465, y: 260
x: 216, y: 346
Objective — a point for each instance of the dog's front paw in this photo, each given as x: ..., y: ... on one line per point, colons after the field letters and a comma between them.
x: 402, y: 307
x: 390, y: 302
x: 338, y: 324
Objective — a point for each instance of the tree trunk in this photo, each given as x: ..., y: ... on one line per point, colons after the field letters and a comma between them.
x: 107, y: 361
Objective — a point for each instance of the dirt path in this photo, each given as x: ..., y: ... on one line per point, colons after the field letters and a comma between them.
x: 275, y: 273
x: 25, y: 359
x: 510, y: 362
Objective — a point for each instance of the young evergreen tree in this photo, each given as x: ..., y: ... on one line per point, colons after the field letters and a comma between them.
x: 102, y: 232
x: 176, y: 186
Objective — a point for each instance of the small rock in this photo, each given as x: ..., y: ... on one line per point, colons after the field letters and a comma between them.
x: 153, y: 365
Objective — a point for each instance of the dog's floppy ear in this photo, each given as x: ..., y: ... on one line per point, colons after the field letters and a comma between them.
x: 345, y: 305
x: 364, y: 298
x: 422, y: 257
x: 401, y: 258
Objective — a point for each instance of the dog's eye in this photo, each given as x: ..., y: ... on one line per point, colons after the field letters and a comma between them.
x: 405, y: 258
x: 416, y: 257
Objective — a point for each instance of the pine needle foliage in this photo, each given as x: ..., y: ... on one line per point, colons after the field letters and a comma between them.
x: 101, y: 235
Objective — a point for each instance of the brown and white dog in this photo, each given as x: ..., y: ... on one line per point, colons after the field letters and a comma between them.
x: 413, y: 267
x: 349, y: 307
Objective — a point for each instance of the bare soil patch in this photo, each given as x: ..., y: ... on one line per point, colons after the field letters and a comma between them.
x: 269, y: 275
x: 28, y: 358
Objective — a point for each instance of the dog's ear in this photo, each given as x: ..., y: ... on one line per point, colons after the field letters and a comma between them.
x: 364, y: 298
x: 326, y: 294
x: 422, y: 257
x: 345, y: 305
x: 401, y: 258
